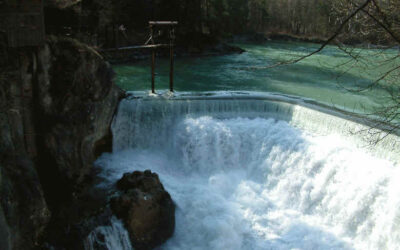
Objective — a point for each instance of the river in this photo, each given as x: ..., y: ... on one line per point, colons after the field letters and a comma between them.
x: 322, y: 77
x: 253, y: 163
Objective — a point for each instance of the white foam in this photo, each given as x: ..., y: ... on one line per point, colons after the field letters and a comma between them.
x: 109, y: 237
x: 255, y: 182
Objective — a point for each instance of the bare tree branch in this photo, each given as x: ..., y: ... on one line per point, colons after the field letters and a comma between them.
x: 387, y: 29
x: 337, y: 32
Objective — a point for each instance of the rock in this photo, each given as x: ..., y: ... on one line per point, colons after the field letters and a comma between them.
x: 146, y: 209
x: 77, y: 100
x: 75, y: 103
x: 224, y: 48
x: 56, y: 106
x: 5, y: 239
x: 24, y: 213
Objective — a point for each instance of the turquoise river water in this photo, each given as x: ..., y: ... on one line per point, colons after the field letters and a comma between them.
x: 323, y: 77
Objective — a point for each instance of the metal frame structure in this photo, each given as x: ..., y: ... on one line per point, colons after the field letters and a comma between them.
x: 153, y: 46
x: 150, y: 44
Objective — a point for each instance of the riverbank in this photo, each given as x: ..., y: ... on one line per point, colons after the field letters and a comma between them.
x: 288, y: 37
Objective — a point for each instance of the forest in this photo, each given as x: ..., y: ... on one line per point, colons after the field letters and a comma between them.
x: 220, y: 19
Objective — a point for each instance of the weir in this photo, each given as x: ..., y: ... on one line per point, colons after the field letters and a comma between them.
x: 158, y: 115
x: 257, y: 172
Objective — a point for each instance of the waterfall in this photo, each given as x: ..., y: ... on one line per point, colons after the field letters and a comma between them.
x: 113, y: 236
x: 150, y: 119
x: 260, y: 173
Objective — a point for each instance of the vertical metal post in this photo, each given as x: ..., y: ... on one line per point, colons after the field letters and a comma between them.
x: 171, y: 69
x: 153, y: 62
x: 171, y: 56
x: 171, y: 52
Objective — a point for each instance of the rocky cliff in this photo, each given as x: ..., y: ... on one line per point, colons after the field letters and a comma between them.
x: 56, y: 106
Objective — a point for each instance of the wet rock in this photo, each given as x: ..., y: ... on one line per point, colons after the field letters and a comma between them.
x: 146, y: 209
x: 224, y: 48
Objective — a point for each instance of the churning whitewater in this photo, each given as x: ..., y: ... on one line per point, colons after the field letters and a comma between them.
x: 257, y: 174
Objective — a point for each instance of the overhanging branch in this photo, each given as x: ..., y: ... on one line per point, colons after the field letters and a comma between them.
x: 337, y: 32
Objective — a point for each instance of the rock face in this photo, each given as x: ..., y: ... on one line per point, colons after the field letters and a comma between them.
x: 56, y: 106
x: 76, y: 103
x: 146, y: 209
x: 24, y: 213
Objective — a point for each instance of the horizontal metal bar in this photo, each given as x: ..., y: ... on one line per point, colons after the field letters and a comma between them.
x: 163, y: 22
x: 150, y: 46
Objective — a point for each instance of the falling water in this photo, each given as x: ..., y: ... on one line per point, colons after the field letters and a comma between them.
x: 259, y: 173
x: 109, y: 237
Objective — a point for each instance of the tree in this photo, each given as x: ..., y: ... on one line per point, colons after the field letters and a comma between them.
x: 369, y: 21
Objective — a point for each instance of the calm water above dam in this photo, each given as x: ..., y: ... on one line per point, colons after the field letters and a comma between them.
x: 321, y: 77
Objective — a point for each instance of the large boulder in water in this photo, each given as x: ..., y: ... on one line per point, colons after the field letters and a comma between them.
x: 146, y: 209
